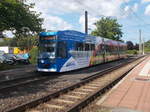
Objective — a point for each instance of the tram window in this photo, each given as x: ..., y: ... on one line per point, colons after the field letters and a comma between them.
x: 111, y: 49
x: 87, y: 47
x: 79, y: 46
x: 50, y: 49
x: 84, y: 47
x: 62, y: 50
x: 108, y: 49
x: 92, y: 47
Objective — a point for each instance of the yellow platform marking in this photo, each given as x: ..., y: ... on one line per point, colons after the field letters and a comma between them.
x: 53, y: 106
x: 64, y: 101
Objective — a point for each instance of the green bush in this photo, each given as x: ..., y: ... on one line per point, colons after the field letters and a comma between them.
x: 33, y: 55
x: 132, y: 52
x: 147, y: 50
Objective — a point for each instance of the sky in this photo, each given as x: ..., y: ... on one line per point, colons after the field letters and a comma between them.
x: 133, y: 15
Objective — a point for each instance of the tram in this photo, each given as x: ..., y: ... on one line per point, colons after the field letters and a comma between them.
x: 68, y: 50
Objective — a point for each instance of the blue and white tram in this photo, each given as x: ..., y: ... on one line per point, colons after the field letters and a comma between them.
x: 68, y: 50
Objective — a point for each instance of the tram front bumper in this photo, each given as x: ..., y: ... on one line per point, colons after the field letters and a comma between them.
x: 46, y: 70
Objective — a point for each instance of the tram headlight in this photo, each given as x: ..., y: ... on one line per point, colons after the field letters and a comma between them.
x: 42, y: 61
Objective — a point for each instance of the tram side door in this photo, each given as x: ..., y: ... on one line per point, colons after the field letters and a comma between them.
x: 62, y: 52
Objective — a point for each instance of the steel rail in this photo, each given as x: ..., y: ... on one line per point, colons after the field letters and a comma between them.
x: 84, y: 102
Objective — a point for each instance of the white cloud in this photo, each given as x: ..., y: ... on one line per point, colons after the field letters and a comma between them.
x: 91, y: 22
x: 54, y: 6
x: 55, y: 23
x: 47, y: 8
x: 8, y: 33
x: 147, y: 10
x: 145, y: 1
x: 96, y: 8
x: 135, y: 7
x: 130, y: 9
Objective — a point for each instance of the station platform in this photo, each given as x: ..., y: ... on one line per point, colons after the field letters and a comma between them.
x: 132, y: 94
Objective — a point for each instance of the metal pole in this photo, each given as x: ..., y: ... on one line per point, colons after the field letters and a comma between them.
x: 86, y: 22
x: 143, y: 46
x: 140, y: 46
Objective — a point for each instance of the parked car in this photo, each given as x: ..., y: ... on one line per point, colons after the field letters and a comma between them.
x: 1, y: 56
x: 5, y: 60
x: 10, y: 56
x: 2, y: 52
x: 21, y: 59
x: 2, y: 59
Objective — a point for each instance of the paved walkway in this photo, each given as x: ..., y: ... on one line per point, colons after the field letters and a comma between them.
x: 132, y: 93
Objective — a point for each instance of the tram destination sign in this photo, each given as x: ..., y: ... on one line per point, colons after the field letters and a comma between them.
x: 48, y: 38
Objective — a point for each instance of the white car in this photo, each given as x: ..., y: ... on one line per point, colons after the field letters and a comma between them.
x: 5, y: 60
x: 1, y: 57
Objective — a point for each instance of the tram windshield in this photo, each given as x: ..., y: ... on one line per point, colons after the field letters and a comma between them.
x: 47, y: 49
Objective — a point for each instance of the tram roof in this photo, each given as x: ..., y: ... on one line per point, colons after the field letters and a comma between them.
x: 76, y: 36
x: 64, y: 32
x: 69, y: 35
x: 44, y: 34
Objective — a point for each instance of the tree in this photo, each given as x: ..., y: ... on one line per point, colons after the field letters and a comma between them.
x: 108, y: 28
x: 147, y: 44
x: 27, y: 43
x: 23, y: 43
x: 15, y: 15
x: 130, y: 45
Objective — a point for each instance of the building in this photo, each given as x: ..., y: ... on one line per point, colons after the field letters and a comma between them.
x: 7, y: 49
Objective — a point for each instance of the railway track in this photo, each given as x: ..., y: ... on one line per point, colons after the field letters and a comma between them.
x: 13, y: 83
x: 8, y: 85
x: 78, y: 95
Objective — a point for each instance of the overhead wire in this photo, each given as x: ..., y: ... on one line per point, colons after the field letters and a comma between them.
x: 82, y: 4
x: 139, y: 20
x: 138, y: 17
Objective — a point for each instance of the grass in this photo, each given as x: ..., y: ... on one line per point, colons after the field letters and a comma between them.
x: 132, y: 52
x: 147, y: 50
